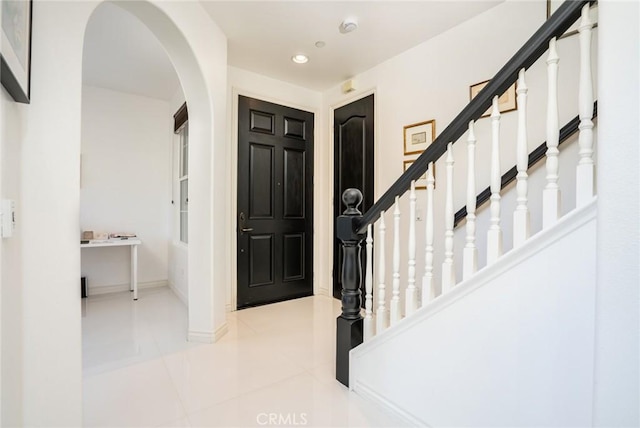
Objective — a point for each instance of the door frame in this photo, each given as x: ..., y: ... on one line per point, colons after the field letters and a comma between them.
x: 357, y: 96
x: 236, y: 92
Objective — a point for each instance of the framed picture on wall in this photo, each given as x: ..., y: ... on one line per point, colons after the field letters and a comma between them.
x: 419, y: 136
x: 421, y: 183
x: 15, y: 48
x: 506, y: 102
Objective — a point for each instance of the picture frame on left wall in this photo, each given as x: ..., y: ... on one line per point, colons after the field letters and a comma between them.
x: 418, y: 136
x: 15, y: 48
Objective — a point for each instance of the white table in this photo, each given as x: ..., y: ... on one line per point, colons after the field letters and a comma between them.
x: 118, y: 242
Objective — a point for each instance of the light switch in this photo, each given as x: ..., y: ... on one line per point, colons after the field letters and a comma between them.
x: 8, y: 217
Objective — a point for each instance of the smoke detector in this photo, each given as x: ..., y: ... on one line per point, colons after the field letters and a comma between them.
x: 348, y: 25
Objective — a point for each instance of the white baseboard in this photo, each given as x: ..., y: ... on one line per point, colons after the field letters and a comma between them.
x: 323, y: 292
x: 382, y: 403
x: 201, y: 336
x: 181, y: 294
x: 207, y: 336
x: 221, y: 331
x: 105, y: 289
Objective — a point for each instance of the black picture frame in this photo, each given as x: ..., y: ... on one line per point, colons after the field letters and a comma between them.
x: 15, y: 31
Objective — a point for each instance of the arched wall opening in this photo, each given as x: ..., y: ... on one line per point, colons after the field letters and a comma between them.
x: 129, y: 160
x: 50, y: 191
x: 201, y: 97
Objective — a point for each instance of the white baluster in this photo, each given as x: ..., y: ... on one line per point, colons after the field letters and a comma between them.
x: 551, y: 192
x: 521, y: 222
x: 395, y: 298
x: 428, y: 291
x: 382, y: 316
x: 369, y: 325
x: 470, y: 252
x: 585, y: 170
x: 494, y: 235
x: 448, y: 272
x: 411, y: 302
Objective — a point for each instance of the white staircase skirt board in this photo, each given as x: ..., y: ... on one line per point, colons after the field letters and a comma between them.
x: 512, y: 346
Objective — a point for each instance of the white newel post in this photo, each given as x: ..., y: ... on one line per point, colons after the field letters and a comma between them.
x: 381, y: 314
x: 428, y: 292
x: 470, y: 252
x: 494, y: 235
x: 369, y: 325
x: 448, y: 272
x: 411, y: 301
x: 585, y: 170
x: 521, y: 222
x: 551, y: 192
x: 395, y: 298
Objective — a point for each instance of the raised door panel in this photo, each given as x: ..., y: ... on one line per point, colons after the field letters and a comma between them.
x: 261, y: 180
x: 352, y: 146
x: 261, y: 260
x: 294, y: 260
x: 294, y: 183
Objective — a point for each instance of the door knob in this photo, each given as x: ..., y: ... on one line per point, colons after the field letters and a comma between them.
x: 241, y: 225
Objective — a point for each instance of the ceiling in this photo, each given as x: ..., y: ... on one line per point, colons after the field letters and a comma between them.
x: 122, y: 54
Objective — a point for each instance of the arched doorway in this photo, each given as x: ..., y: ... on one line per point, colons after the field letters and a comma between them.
x: 50, y: 191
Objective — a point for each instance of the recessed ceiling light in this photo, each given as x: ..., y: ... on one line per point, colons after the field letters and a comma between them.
x: 300, y: 58
x: 320, y: 44
x: 348, y: 25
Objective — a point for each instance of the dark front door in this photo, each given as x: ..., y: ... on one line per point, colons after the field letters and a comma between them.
x: 353, y: 127
x: 275, y: 202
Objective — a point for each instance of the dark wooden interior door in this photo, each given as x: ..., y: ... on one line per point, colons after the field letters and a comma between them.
x: 353, y: 127
x: 275, y: 203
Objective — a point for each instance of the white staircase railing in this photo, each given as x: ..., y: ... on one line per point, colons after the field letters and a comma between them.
x: 376, y: 321
x: 382, y: 309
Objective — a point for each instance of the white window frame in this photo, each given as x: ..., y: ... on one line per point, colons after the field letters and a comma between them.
x: 183, y: 179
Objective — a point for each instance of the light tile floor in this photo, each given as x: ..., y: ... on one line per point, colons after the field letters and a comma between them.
x: 273, y: 368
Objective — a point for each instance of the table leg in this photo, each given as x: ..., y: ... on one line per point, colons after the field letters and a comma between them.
x: 134, y: 271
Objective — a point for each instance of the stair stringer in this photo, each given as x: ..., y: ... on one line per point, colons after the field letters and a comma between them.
x: 512, y: 346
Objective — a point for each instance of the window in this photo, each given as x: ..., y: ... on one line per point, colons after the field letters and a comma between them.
x: 183, y: 179
x: 181, y: 127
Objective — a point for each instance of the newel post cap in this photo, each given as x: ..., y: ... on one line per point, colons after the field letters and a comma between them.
x: 352, y: 198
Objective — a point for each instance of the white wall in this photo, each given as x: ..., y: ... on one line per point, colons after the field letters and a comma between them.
x: 179, y: 270
x: 126, y: 184
x: 431, y: 81
x: 50, y: 208
x: 242, y: 82
x: 11, y: 285
x: 617, y: 311
x: 513, y: 346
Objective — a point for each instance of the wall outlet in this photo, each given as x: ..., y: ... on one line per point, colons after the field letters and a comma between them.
x: 8, y: 208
